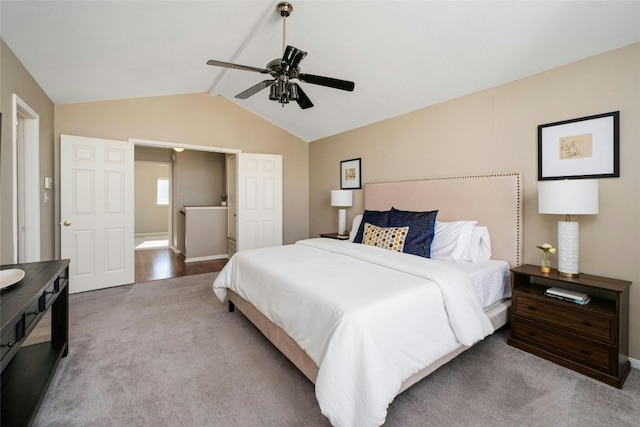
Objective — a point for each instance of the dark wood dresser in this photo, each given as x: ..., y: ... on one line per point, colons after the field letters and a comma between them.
x: 591, y: 339
x: 27, y: 370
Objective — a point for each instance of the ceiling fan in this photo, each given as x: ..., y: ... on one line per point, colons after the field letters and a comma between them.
x: 285, y: 69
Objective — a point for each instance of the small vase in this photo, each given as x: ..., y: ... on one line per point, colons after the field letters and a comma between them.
x: 545, y: 266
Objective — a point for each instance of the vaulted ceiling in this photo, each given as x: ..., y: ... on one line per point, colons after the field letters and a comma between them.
x: 402, y: 55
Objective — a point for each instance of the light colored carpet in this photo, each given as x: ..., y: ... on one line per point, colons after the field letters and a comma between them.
x: 167, y: 353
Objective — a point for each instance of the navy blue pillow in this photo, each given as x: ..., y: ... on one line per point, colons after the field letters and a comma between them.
x: 421, y: 230
x: 379, y: 218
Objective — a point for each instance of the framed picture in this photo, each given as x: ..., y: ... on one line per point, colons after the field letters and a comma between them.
x: 588, y: 147
x: 350, y: 174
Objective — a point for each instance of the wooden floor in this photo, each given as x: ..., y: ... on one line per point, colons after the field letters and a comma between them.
x: 164, y: 263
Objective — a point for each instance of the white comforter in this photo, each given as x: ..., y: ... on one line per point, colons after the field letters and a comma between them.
x: 368, y: 317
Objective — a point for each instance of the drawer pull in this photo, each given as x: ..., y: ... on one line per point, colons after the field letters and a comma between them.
x: 585, y: 352
x: 35, y: 313
x: 9, y: 344
x: 586, y: 323
x: 531, y: 307
x: 49, y: 292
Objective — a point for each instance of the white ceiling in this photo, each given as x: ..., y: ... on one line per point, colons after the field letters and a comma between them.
x: 402, y: 55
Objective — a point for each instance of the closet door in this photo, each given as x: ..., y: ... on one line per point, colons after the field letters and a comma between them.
x: 259, y: 201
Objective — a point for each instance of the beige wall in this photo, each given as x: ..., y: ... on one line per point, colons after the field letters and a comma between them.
x: 198, y: 119
x: 149, y: 216
x: 153, y: 154
x: 14, y: 79
x: 496, y: 131
x: 199, y: 179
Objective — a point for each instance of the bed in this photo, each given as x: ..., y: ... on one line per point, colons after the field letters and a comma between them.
x: 365, y: 323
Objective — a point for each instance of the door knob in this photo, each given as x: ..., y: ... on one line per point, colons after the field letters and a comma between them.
x: 67, y: 223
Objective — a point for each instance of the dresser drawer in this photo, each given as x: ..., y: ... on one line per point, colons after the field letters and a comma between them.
x: 598, y: 356
x: 573, y: 319
x: 32, y: 314
x: 10, y: 338
x: 49, y: 293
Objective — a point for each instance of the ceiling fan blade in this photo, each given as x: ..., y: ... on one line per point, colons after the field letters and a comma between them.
x: 292, y: 56
x: 303, y: 100
x: 255, y: 89
x: 327, y: 81
x: 236, y: 66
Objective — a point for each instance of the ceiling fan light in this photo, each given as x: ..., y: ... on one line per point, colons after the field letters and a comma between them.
x: 282, y: 85
x: 293, y: 92
x: 274, y: 94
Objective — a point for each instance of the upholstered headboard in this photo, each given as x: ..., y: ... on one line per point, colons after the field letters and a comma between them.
x: 492, y: 200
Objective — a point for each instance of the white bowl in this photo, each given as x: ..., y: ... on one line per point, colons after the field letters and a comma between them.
x: 10, y: 277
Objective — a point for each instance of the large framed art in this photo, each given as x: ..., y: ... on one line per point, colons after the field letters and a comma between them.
x: 350, y: 175
x: 588, y: 147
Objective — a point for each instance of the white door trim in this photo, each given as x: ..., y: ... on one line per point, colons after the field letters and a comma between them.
x: 31, y: 189
x: 167, y: 144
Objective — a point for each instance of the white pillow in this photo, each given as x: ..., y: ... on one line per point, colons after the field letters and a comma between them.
x: 451, y: 240
x: 480, y: 245
x: 355, y: 227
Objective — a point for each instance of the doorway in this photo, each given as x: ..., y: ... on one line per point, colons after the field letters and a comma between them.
x: 153, y: 207
x: 194, y: 178
x: 26, y: 182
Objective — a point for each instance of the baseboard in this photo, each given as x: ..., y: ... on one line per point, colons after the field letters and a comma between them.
x: 150, y: 234
x: 206, y: 258
x: 635, y: 363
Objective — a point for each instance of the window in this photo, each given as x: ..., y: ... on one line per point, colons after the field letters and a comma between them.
x: 163, y: 192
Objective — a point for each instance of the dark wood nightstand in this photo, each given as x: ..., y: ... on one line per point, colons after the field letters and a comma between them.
x: 334, y: 236
x: 591, y: 339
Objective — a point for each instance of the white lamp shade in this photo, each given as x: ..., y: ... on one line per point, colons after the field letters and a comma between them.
x: 568, y: 197
x: 342, y: 198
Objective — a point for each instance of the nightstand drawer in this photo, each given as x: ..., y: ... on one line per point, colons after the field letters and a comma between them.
x: 569, y: 318
x: 598, y: 356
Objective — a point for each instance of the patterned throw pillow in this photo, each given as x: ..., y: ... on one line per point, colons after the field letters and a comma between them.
x: 391, y: 238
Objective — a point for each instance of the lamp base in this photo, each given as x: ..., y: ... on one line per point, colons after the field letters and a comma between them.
x: 568, y: 249
x: 342, y: 222
x: 560, y: 273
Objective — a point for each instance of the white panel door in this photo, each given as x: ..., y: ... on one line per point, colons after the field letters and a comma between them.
x: 96, y: 209
x: 259, y: 206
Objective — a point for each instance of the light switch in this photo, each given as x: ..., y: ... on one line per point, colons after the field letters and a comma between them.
x: 48, y: 183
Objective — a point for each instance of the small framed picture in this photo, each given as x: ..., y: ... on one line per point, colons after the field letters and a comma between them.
x: 350, y: 174
x: 588, y: 147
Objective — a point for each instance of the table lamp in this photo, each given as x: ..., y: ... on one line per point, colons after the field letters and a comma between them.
x: 568, y: 197
x: 342, y: 199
